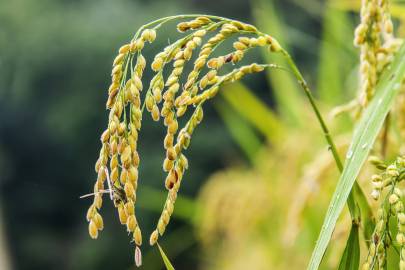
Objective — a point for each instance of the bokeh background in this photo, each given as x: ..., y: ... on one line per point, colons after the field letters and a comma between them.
x: 259, y: 168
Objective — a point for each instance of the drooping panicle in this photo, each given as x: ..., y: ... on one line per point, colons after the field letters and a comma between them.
x: 119, y: 160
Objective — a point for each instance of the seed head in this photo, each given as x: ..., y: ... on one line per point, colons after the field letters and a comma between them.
x: 393, y: 199
x: 161, y: 227
x: 124, y: 49
x: 122, y: 214
x: 138, y: 236
x: 118, y: 59
x: 400, y: 239
x: 131, y: 223
x: 154, y: 237
x: 392, y: 170
x: 168, y: 164
x: 274, y: 45
x: 129, y: 189
x: 149, y: 35
x: 155, y: 112
x: 93, y: 231
x: 138, y: 257
x: 170, y: 180
x: 157, y: 64
x: 98, y: 221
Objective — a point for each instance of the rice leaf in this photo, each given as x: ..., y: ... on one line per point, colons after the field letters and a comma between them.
x: 240, y: 130
x: 287, y: 95
x: 255, y: 111
x: 171, y: 240
x: 364, y: 137
x: 336, y: 56
x: 367, y: 218
x: 166, y: 260
x: 351, y: 255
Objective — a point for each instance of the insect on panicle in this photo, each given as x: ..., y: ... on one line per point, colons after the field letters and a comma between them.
x: 117, y: 194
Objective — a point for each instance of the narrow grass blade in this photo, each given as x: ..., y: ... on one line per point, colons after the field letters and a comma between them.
x: 240, y: 130
x: 351, y: 255
x: 367, y: 218
x: 364, y: 137
x: 336, y: 56
x: 171, y: 239
x: 166, y: 260
x: 254, y: 111
x: 288, y: 97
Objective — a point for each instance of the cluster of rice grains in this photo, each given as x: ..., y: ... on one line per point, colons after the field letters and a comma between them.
x: 374, y: 36
x: 119, y: 160
x: 387, y: 191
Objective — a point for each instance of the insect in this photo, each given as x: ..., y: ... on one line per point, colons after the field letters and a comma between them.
x: 376, y: 239
x: 118, y: 196
x: 117, y: 193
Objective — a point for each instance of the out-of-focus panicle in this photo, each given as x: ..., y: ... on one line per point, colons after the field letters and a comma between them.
x: 367, y: 38
x: 231, y: 207
x: 378, y: 45
x: 308, y: 187
x: 242, y: 211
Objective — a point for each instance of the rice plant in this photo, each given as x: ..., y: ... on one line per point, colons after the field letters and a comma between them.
x: 171, y: 96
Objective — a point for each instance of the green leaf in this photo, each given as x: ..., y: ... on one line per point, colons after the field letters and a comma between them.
x: 240, y: 129
x: 336, y: 55
x: 367, y: 218
x: 171, y: 239
x: 364, y: 137
x: 351, y: 255
x: 253, y: 110
x: 288, y: 98
x: 166, y: 260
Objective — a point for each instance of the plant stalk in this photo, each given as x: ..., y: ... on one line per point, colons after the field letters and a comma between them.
x: 352, y: 202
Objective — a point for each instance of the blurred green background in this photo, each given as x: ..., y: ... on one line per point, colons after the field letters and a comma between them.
x: 55, y: 61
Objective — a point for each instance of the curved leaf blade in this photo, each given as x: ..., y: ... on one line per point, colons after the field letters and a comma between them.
x: 261, y: 118
x: 240, y: 130
x: 336, y: 55
x: 166, y: 260
x: 351, y: 255
x: 364, y: 137
x: 288, y: 99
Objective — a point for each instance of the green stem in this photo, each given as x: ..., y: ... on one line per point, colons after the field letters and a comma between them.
x: 351, y: 202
